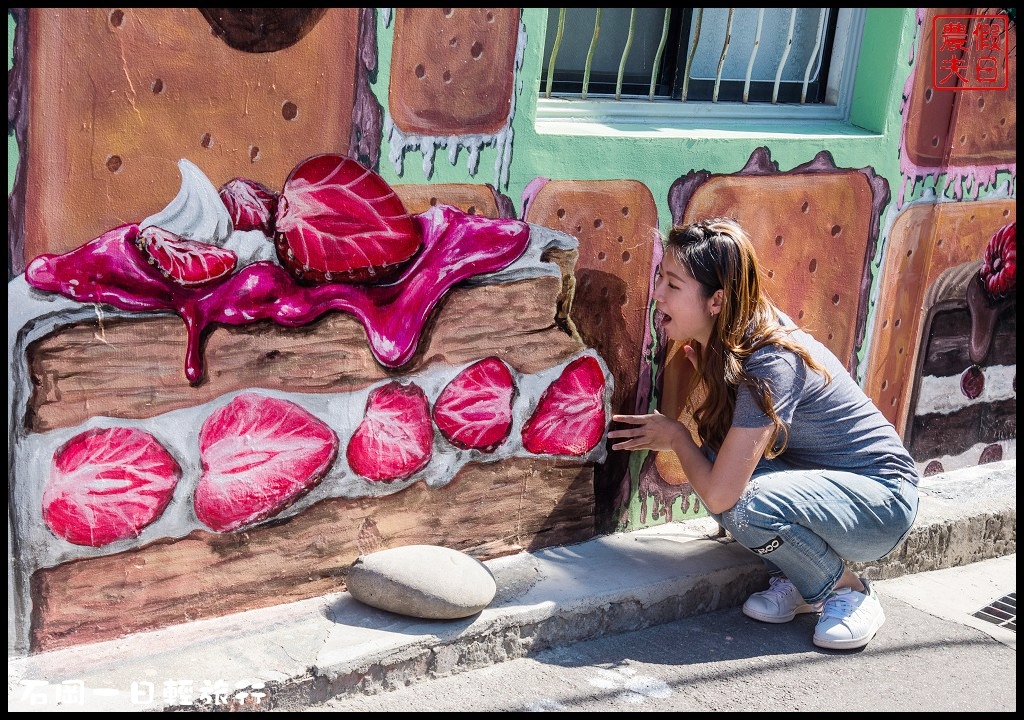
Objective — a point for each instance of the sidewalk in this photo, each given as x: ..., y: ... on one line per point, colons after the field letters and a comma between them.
x: 297, y: 655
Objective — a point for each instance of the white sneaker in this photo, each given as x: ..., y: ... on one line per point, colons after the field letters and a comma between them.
x: 849, y: 619
x: 780, y: 603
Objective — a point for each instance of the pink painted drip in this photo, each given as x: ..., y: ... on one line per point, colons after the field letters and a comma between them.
x: 111, y: 269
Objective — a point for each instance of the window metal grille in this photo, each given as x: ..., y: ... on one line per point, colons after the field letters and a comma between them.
x: 729, y: 55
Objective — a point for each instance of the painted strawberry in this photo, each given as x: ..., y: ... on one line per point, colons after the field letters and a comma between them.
x: 108, y: 484
x: 570, y: 417
x: 188, y: 263
x: 474, y: 411
x: 395, y: 437
x: 999, y: 268
x: 337, y: 221
x: 972, y: 382
x: 259, y: 454
x: 252, y: 206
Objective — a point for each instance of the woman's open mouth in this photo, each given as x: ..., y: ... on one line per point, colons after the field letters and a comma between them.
x: 661, y: 319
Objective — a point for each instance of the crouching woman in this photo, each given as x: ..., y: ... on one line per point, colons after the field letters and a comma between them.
x: 794, y: 460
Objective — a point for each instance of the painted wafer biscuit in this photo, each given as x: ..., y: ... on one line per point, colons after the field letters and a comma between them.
x: 453, y: 70
x: 616, y: 223
x: 986, y: 122
x: 679, y: 396
x: 814, y: 228
x: 116, y: 97
x: 928, y: 114
x: 472, y: 199
x: 962, y: 128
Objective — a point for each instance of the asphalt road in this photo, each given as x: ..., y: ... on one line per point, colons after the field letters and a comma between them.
x: 932, y: 654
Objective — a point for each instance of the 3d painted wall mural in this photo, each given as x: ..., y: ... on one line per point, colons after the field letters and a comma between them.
x: 251, y: 338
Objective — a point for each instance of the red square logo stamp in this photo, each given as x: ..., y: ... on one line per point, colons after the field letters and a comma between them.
x: 970, y: 52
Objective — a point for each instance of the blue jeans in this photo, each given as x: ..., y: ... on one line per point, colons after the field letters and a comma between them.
x: 806, y: 523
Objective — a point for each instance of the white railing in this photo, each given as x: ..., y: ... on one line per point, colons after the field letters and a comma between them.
x: 745, y: 45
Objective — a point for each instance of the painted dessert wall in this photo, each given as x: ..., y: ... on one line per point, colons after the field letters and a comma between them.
x: 289, y: 288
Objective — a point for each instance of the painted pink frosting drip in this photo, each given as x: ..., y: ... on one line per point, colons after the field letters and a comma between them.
x: 112, y: 270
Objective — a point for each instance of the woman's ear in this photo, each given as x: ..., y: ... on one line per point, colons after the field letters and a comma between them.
x: 716, y: 301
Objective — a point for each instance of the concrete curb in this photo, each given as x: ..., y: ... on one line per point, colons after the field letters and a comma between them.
x: 294, y: 656
x: 965, y: 516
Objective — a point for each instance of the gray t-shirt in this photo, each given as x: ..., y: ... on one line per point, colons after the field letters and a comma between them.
x: 831, y: 426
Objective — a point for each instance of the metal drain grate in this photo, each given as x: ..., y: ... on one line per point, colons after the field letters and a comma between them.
x: 1002, y: 612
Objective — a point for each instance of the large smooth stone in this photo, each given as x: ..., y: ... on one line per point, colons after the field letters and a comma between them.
x: 423, y: 581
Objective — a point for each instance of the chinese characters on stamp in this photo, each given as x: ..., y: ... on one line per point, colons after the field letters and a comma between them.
x: 970, y: 52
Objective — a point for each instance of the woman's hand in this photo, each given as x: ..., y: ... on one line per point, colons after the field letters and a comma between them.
x: 692, y: 350
x: 647, y: 432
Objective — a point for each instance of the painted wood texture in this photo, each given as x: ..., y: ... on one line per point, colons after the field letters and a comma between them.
x: 135, y: 368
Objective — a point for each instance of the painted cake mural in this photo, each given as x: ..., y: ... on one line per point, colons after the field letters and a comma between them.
x: 239, y: 358
x: 447, y: 385
x: 441, y: 58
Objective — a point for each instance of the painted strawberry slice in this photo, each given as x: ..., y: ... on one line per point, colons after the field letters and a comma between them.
x: 108, y: 484
x: 188, y: 263
x: 259, y: 455
x: 972, y: 382
x: 570, y: 416
x: 474, y: 411
x: 337, y: 221
x: 999, y: 268
x: 251, y: 205
x: 395, y: 438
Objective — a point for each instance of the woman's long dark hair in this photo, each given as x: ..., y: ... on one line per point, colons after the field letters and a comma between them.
x: 719, y: 255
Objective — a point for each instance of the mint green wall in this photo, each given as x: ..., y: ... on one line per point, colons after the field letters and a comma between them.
x: 658, y: 156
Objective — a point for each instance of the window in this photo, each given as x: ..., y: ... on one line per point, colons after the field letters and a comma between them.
x: 729, y: 62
